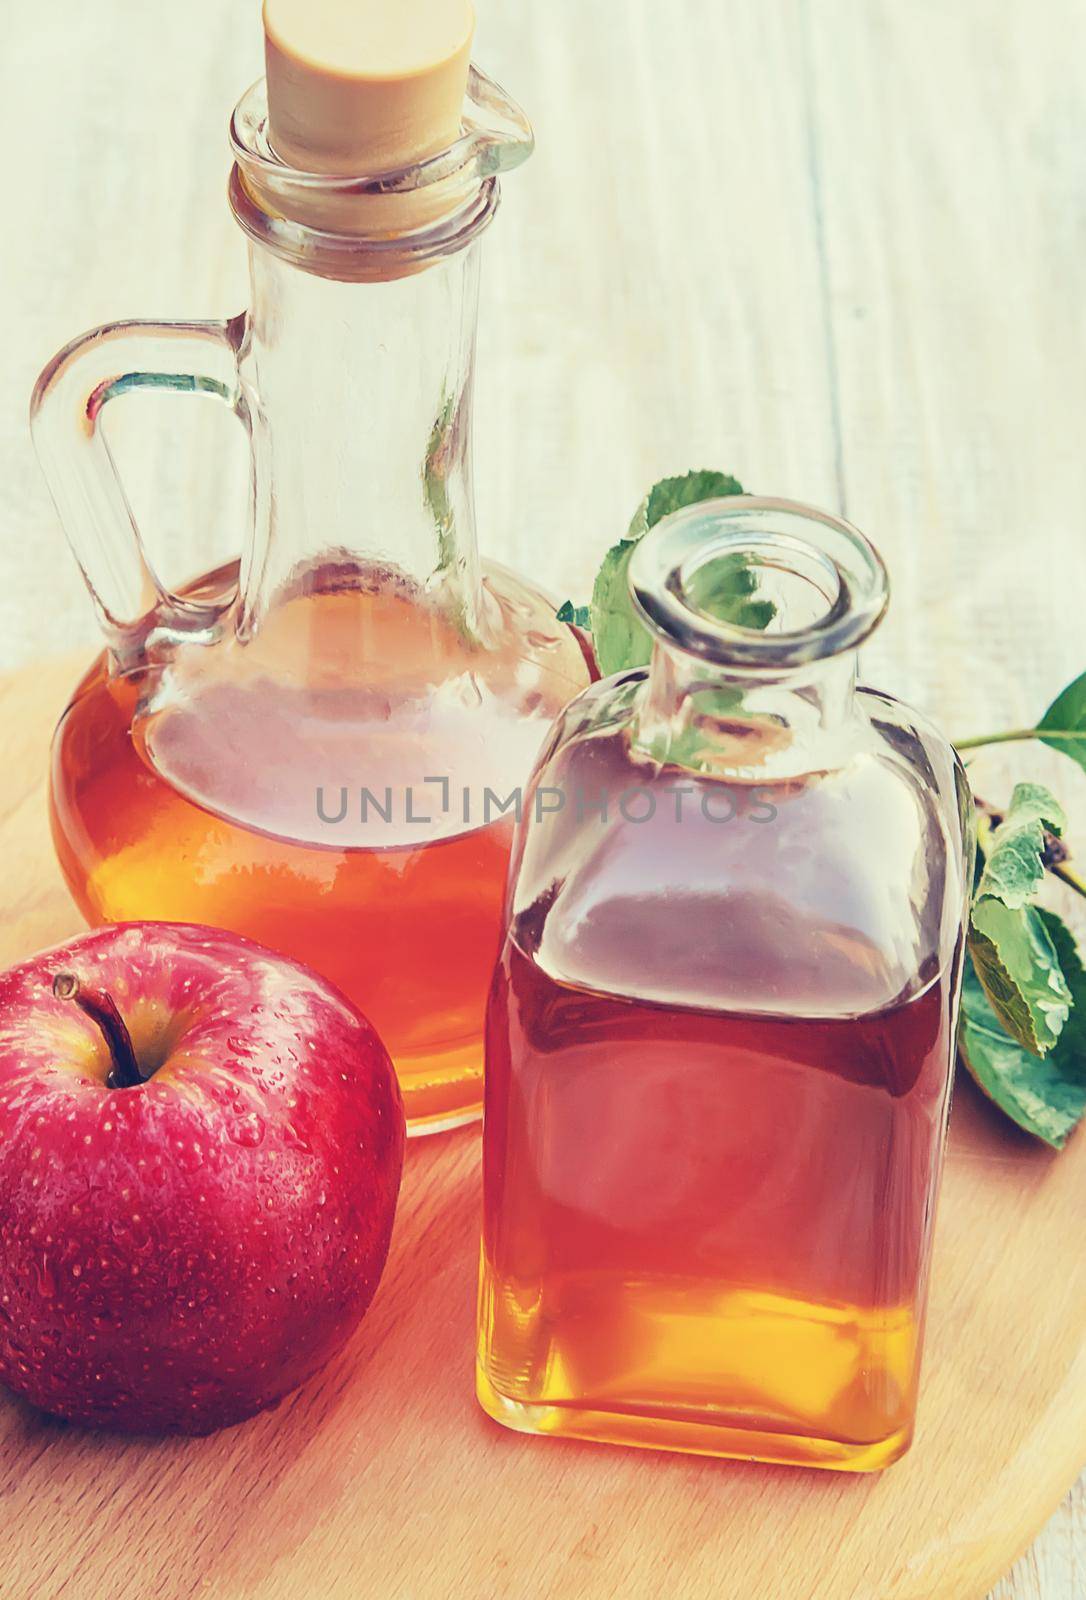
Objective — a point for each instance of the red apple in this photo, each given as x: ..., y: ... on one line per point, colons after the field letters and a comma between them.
x: 200, y: 1151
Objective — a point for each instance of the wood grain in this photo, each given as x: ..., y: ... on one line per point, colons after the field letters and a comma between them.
x: 833, y: 245
x: 382, y: 1477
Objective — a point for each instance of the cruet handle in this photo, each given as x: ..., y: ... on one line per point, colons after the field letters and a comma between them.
x: 134, y: 608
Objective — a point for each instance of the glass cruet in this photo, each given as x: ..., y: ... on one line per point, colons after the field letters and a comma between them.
x: 721, y: 1030
x: 316, y: 746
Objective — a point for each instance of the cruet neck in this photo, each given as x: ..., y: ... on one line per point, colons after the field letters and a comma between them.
x: 357, y: 365
x: 359, y: 397
x: 756, y: 609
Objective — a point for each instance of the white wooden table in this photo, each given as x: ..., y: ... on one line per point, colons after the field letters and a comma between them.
x: 835, y: 246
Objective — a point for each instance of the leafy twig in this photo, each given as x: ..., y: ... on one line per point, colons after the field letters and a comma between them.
x: 1055, y: 857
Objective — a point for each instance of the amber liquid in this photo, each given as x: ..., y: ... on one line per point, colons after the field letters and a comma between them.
x: 205, y: 810
x: 708, y: 1231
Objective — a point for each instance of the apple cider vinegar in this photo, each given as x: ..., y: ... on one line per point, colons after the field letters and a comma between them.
x: 677, y: 1275
x: 721, y: 1031
x: 364, y: 831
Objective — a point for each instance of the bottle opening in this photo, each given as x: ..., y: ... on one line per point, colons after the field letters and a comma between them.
x: 343, y: 224
x: 758, y: 584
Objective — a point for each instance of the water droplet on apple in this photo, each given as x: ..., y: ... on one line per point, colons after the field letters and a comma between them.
x: 247, y: 1131
x: 190, y: 1156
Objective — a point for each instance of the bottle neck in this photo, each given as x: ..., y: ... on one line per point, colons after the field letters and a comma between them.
x: 360, y: 400
x: 756, y: 609
x: 753, y: 727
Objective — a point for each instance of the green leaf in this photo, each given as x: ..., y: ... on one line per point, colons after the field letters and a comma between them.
x: 577, y: 616
x: 1073, y: 1034
x: 672, y: 494
x: 1046, y: 1098
x: 1014, y: 868
x: 722, y: 588
x: 1017, y: 964
x: 621, y: 640
x: 619, y: 637
x: 1013, y: 952
x: 1063, y: 725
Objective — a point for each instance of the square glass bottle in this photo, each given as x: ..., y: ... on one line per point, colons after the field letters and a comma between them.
x: 721, y: 1031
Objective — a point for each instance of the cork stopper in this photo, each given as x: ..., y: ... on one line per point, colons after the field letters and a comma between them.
x: 365, y: 86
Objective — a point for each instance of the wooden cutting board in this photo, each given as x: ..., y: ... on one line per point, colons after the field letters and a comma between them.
x: 383, y: 1480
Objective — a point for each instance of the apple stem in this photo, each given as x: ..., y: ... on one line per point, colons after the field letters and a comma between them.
x: 102, y: 1010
